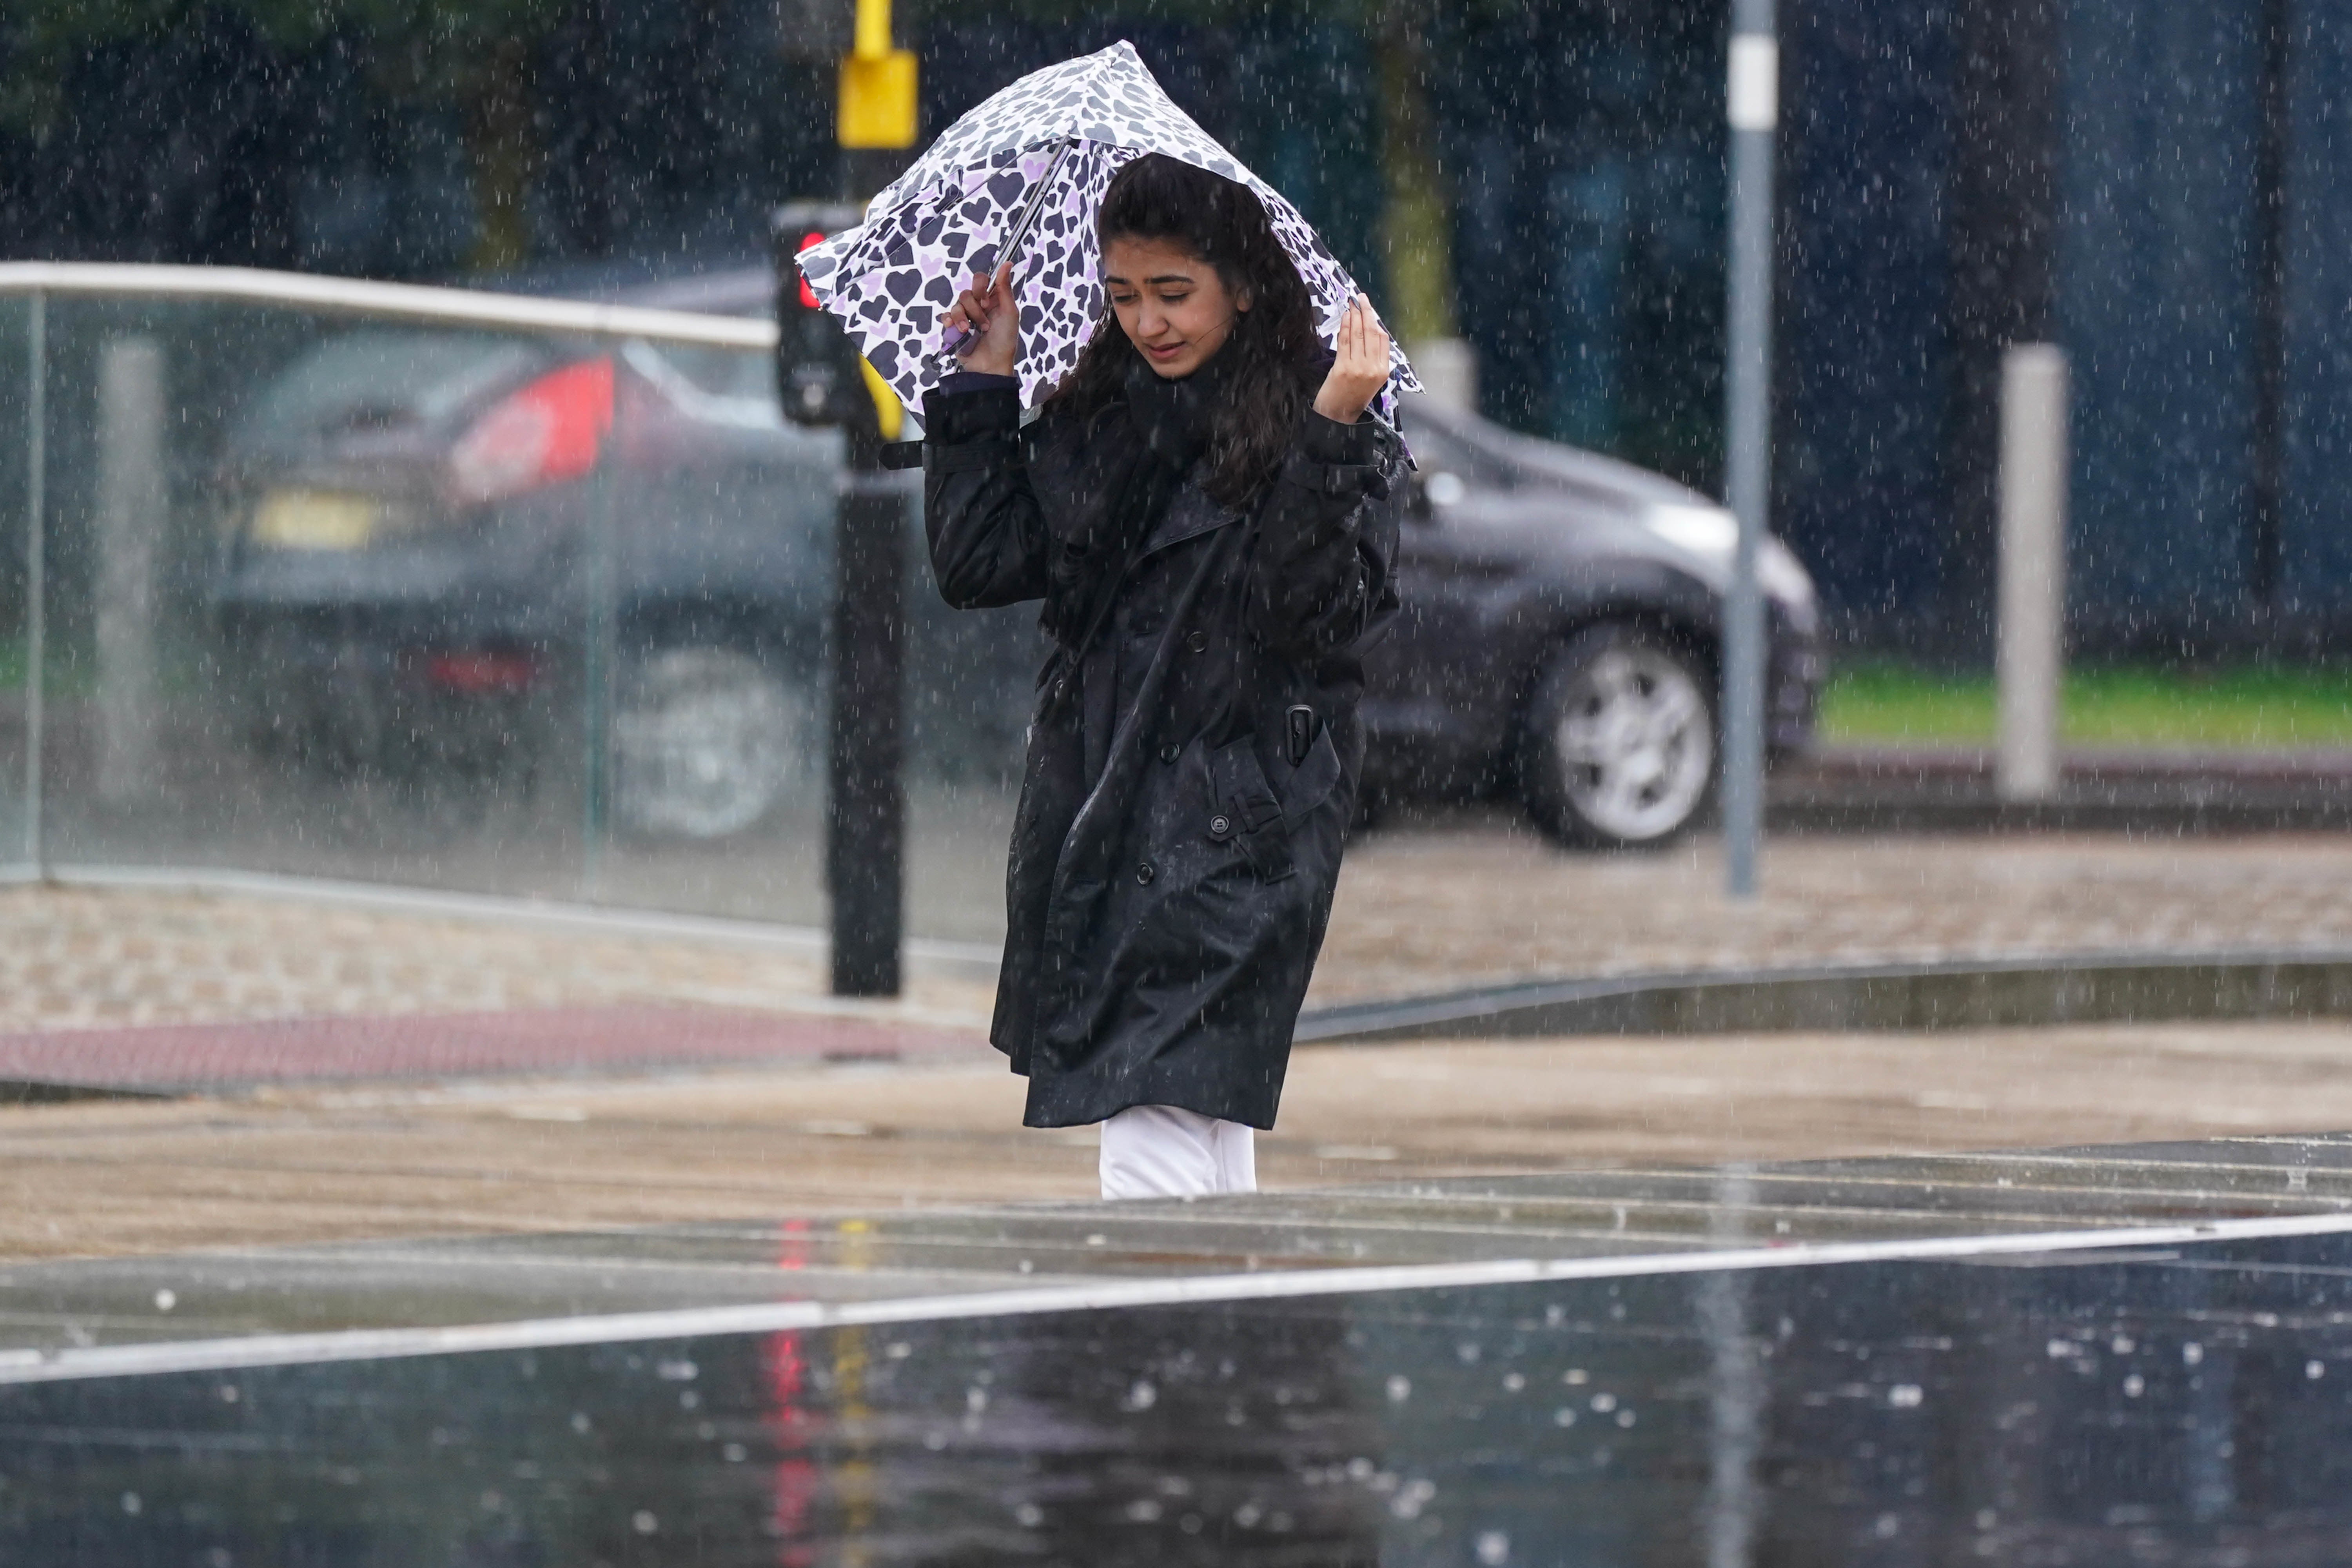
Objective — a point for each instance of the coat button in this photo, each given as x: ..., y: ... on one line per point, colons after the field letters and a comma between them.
x: 1144, y: 873
x: 1220, y: 826
x: 1171, y: 751
x: 1197, y: 642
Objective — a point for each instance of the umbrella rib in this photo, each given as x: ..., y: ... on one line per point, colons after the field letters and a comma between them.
x: 1029, y: 208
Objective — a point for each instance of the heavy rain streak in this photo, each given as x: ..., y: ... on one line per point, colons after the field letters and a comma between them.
x: 1536, y: 784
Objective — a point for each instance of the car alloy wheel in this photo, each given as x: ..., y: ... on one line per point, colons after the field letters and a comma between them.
x: 705, y: 740
x: 1621, y: 739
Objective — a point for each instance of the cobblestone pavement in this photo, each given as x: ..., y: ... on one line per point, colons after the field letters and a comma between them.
x: 1436, y: 909
x: 1475, y: 900
x: 85, y: 958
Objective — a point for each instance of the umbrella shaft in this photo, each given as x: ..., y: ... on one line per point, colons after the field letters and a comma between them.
x: 1021, y: 224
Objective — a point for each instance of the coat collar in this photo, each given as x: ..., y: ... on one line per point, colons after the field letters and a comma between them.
x: 1190, y: 514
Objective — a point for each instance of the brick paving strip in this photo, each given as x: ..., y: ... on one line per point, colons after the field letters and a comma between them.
x: 195, y: 1056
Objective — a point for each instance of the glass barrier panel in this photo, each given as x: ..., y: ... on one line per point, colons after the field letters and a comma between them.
x: 723, y: 605
x: 16, y: 499
x: 314, y: 590
x: 493, y: 612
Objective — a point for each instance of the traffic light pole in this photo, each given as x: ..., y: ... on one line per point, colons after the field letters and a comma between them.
x: 866, y: 816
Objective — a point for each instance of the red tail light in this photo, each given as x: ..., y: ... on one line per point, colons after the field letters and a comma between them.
x: 545, y: 433
x: 480, y: 672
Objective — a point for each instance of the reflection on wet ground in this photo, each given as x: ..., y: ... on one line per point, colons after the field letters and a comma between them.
x: 2033, y: 1395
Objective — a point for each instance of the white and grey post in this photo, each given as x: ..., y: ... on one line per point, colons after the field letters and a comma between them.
x: 1753, y: 105
x: 2031, y: 642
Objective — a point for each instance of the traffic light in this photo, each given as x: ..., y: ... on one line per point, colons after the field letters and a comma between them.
x: 820, y: 379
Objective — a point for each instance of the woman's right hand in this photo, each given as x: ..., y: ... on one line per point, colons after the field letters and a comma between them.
x: 987, y: 305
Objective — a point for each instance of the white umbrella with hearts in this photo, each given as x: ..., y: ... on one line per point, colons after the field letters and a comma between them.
x: 1023, y: 174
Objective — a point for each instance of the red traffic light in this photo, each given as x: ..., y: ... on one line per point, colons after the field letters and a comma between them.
x: 808, y: 296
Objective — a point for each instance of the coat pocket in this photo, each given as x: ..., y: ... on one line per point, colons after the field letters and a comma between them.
x: 1246, y: 808
x: 1310, y: 783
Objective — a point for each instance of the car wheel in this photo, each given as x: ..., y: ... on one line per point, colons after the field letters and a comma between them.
x: 706, y: 741
x: 1619, y: 747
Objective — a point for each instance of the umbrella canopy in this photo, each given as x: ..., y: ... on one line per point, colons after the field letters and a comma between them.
x: 1035, y: 158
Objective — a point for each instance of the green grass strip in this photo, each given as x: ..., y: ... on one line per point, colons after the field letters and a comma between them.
x: 2242, y: 707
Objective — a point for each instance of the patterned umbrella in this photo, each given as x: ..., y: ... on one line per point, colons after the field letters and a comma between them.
x: 1030, y: 166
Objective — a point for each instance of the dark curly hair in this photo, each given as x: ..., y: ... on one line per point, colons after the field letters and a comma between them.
x: 1272, y: 363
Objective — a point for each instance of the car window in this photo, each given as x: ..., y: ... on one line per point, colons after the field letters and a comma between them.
x: 382, y: 378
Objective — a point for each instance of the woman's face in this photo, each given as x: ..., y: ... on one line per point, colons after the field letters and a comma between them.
x: 1174, y: 308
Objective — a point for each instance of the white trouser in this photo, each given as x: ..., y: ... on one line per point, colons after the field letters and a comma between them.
x: 1160, y: 1151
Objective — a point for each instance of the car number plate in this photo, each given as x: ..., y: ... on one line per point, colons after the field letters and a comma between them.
x: 315, y: 519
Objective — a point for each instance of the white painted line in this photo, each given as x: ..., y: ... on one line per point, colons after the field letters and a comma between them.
x: 405, y: 301
x: 254, y: 1351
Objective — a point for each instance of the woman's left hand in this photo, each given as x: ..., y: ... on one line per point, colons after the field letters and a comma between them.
x: 1362, y: 369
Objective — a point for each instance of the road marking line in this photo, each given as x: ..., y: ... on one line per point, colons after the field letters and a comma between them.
x: 254, y: 1351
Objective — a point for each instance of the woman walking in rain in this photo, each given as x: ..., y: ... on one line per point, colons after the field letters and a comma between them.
x: 1210, y: 515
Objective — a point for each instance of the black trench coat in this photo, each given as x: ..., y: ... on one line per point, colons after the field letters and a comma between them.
x: 1171, y: 868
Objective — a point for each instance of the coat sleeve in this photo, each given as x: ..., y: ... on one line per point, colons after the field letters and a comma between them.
x: 988, y: 538
x: 1324, y: 578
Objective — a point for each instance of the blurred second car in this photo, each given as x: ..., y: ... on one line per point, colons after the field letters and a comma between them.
x: 414, y: 573
x: 416, y: 567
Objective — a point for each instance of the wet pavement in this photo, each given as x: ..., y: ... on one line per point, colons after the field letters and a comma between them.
x: 2095, y: 1355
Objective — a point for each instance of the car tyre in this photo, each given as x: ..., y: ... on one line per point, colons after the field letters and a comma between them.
x: 1618, y: 749
x: 706, y: 741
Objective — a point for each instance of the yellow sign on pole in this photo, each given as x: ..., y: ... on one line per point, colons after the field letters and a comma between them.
x: 889, y: 414
x: 877, y: 85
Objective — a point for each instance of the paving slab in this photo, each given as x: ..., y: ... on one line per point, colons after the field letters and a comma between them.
x: 295, y: 1163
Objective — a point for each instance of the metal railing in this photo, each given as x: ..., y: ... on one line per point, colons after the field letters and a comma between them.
x: 393, y: 301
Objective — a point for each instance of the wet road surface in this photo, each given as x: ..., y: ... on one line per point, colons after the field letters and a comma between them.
x: 2137, y: 1353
